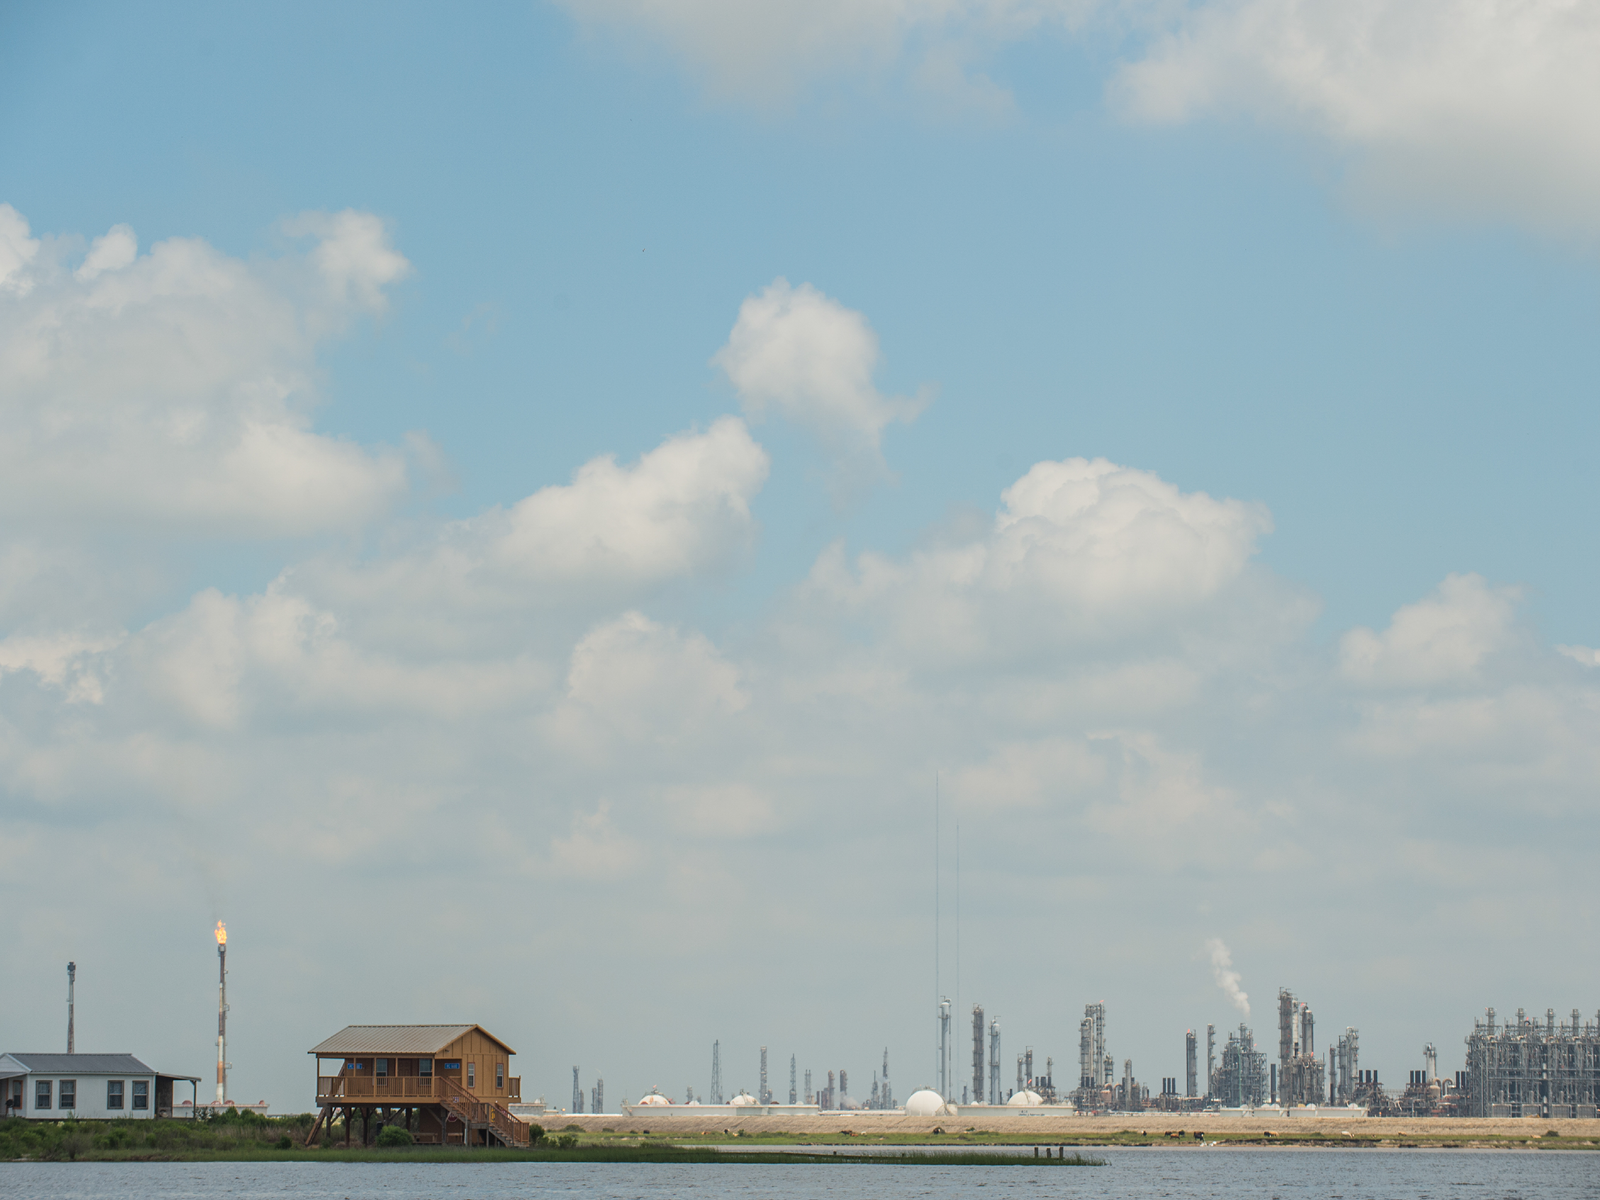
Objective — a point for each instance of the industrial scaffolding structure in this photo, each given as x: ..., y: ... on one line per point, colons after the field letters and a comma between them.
x: 1300, y: 1071
x: 1096, y: 1070
x: 1241, y: 1079
x: 1531, y: 1068
x: 1131, y: 1095
x: 1191, y: 1084
x: 994, y: 1060
x: 978, y: 1077
x: 1345, y: 1057
x: 945, y: 1081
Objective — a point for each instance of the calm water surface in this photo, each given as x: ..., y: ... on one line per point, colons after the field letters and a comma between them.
x: 1127, y: 1175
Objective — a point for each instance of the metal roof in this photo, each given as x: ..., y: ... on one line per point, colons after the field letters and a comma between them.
x: 83, y: 1064
x: 398, y: 1039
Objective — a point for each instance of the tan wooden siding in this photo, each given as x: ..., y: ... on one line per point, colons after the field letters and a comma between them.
x: 482, y: 1052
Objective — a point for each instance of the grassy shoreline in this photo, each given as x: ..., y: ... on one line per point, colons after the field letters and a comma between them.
x: 282, y: 1140
x: 589, y: 1154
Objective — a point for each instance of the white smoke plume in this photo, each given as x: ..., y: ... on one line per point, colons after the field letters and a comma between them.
x: 1227, y: 978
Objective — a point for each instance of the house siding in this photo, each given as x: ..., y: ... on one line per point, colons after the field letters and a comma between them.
x: 91, y: 1097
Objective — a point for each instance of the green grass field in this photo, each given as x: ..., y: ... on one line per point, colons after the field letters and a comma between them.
x: 248, y: 1137
x: 251, y: 1138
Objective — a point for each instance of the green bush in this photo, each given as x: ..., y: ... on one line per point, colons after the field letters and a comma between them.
x: 564, y: 1141
x: 237, y: 1117
x: 393, y: 1135
x: 283, y: 1143
x: 75, y: 1139
x: 535, y: 1132
x: 116, y: 1137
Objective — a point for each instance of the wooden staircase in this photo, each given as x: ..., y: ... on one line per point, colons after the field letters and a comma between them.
x: 483, y: 1114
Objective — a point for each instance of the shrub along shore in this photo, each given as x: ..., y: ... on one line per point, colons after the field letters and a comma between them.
x: 249, y: 1137
x: 246, y: 1136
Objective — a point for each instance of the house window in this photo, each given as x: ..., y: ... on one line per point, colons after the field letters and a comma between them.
x: 382, y: 1068
x: 472, y: 1075
x: 141, y: 1093
x: 425, y: 1067
x: 114, y: 1093
x: 68, y: 1094
x: 41, y: 1093
x: 499, y: 1077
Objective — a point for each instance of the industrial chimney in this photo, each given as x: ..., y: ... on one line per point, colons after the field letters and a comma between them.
x: 72, y: 980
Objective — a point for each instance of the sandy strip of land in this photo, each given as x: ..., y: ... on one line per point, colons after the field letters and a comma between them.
x: 681, y: 1120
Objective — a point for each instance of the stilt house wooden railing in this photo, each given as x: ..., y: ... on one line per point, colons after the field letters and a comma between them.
x: 473, y: 1111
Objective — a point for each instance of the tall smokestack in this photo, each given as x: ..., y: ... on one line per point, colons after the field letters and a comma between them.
x: 222, y: 1013
x: 72, y: 981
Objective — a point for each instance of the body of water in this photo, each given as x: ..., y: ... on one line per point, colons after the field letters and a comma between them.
x: 1127, y: 1175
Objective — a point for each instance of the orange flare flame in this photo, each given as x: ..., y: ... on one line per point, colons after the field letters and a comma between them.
x: 222, y: 934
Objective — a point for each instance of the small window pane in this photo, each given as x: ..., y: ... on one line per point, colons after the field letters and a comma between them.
x: 41, y: 1093
x: 382, y: 1067
x: 424, y: 1066
x: 114, y: 1093
x: 69, y: 1094
x: 499, y: 1075
x: 472, y: 1074
x: 141, y: 1093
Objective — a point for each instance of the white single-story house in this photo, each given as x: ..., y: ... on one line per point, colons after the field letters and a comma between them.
x: 99, y: 1087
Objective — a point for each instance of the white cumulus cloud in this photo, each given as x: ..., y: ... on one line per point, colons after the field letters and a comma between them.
x: 1478, y: 108
x: 811, y: 360
x: 110, y: 251
x: 1444, y: 638
x: 1483, y: 107
x: 612, y: 536
x: 172, y: 391
x: 18, y: 249
x: 683, y: 507
x: 1080, y: 550
x: 767, y: 52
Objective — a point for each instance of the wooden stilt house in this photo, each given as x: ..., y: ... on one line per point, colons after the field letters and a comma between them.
x: 446, y: 1084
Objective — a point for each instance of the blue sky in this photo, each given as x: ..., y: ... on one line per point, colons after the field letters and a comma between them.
x: 1359, y: 308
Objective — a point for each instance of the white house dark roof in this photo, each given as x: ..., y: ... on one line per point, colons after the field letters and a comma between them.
x: 397, y: 1039
x: 83, y: 1064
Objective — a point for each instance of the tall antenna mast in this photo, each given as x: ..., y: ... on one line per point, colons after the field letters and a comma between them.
x: 958, y: 919
x: 72, y: 981
x: 938, y: 994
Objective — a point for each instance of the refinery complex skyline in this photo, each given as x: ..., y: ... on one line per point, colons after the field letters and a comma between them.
x: 1510, y: 1068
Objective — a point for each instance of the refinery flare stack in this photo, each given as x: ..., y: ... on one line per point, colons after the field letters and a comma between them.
x: 222, y: 1013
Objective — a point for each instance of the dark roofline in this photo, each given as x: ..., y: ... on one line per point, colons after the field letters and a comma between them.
x: 93, y: 1064
x: 465, y: 1026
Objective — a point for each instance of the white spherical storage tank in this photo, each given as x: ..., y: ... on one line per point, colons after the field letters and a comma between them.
x: 925, y: 1103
